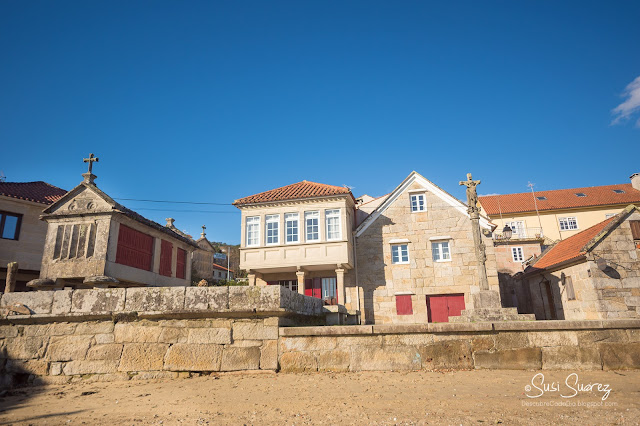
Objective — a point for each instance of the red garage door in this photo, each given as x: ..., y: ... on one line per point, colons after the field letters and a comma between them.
x: 443, y: 306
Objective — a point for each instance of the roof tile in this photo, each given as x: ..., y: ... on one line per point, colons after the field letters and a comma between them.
x: 572, y: 247
x: 304, y: 189
x: 559, y: 199
x: 37, y: 192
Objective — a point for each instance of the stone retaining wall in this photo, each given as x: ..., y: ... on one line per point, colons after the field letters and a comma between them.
x: 573, y: 345
x: 121, y: 334
x: 61, y: 352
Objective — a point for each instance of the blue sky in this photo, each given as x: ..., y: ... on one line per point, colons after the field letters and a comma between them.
x: 212, y: 101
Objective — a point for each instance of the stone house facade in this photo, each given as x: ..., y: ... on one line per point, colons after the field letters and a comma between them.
x: 94, y: 241
x: 415, y: 257
x: 22, y: 233
x: 594, y: 274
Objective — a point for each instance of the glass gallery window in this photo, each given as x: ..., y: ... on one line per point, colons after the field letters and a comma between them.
x: 312, y: 224
x: 253, y: 231
x: 272, y: 228
x: 332, y: 218
x: 291, y: 227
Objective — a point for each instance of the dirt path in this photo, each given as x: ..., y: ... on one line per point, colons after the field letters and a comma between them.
x: 462, y: 397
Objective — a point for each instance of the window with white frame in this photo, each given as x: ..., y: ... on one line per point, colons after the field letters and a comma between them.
x: 517, y: 254
x: 568, y: 223
x: 253, y: 231
x: 332, y: 218
x: 441, y: 251
x: 517, y: 226
x: 399, y: 253
x: 417, y: 203
x: 312, y: 225
x: 291, y: 226
x: 272, y: 228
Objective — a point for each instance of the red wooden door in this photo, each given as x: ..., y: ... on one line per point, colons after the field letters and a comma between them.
x: 441, y: 307
x: 181, y: 264
x: 313, y: 287
x: 166, y: 254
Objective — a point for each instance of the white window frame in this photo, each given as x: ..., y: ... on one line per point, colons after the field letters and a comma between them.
x: 420, y: 203
x: 400, y: 251
x: 565, y: 223
x: 517, y: 254
x: 250, y: 223
x: 272, y: 225
x: 439, y: 246
x: 309, y: 216
x: 292, y: 218
x: 333, y: 214
x: 519, y: 228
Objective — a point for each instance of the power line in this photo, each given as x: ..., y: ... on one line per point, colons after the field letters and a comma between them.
x: 183, y: 211
x: 173, y: 202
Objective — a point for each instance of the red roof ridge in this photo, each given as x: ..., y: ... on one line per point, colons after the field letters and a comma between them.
x: 558, y: 189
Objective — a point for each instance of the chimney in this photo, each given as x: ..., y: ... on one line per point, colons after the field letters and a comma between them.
x: 635, y: 181
x: 170, y: 221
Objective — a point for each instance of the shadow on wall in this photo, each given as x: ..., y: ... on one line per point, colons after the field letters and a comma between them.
x: 514, y: 293
x: 14, y: 379
x: 546, y: 297
x: 371, y: 264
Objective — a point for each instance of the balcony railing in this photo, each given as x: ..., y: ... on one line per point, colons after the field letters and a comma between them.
x: 520, y: 234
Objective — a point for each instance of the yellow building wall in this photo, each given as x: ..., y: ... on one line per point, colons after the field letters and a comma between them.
x: 549, y: 221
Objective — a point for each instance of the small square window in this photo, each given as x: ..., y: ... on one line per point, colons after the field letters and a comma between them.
x: 580, y: 194
x: 541, y: 198
x: 400, y: 253
x: 618, y: 191
x: 517, y: 254
x: 418, y: 203
x: 441, y: 252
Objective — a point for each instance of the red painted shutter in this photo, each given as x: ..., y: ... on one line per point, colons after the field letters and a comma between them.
x: 437, y: 309
x: 181, y: 264
x: 308, y: 287
x: 404, y: 305
x: 455, y: 304
x: 166, y: 249
x: 135, y: 248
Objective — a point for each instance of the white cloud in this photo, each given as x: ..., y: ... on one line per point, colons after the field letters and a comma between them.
x: 630, y: 106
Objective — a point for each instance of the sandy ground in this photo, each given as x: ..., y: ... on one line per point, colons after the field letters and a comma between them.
x: 461, y: 397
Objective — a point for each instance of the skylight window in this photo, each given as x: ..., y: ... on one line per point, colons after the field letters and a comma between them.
x: 541, y: 198
x: 580, y: 194
x: 618, y: 191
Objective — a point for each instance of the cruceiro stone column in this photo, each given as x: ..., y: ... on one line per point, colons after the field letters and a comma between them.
x: 486, y: 302
x: 300, y: 276
x: 12, y: 275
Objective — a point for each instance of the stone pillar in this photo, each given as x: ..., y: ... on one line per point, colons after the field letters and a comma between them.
x: 340, y: 285
x: 12, y: 275
x: 252, y: 279
x: 300, y: 275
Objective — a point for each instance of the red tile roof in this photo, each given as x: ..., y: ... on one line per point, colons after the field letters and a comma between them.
x: 571, y: 248
x: 304, y: 189
x: 560, y: 199
x: 37, y: 192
